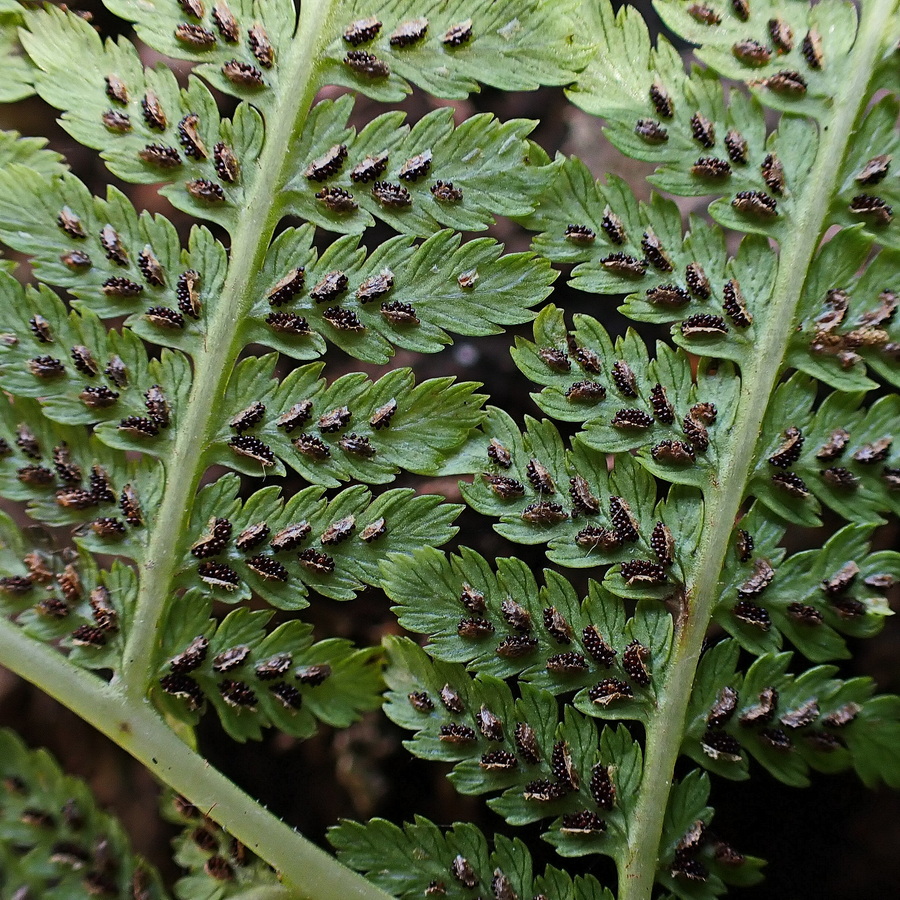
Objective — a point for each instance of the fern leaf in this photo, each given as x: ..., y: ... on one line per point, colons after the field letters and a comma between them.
x: 675, y: 482
x: 848, y: 468
x: 54, y: 597
x: 351, y: 428
x: 694, y: 863
x: 254, y: 678
x: 31, y: 152
x: 655, y: 112
x: 834, y: 25
x: 407, y: 861
x: 758, y: 177
x: 402, y: 294
x: 112, y: 280
x: 437, y: 287
x: 788, y: 723
x: 667, y: 277
x: 64, y: 843
x: 52, y: 469
x: 481, y: 158
x: 218, y: 865
x: 16, y: 74
x: 859, y: 486
x: 143, y: 146
x: 157, y: 23
x: 97, y: 376
x: 847, y: 319
x: 504, y: 47
x: 621, y: 85
x: 466, y: 587
x: 149, y: 130
x: 626, y: 401
x: 501, y: 623
x: 335, y: 545
x: 511, y: 38
x: 866, y: 171
x: 586, y: 514
x: 575, y: 202
x: 481, y: 740
x: 811, y: 598
x: 559, y: 769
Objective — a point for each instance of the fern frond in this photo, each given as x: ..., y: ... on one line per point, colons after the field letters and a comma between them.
x: 674, y: 477
x: 771, y: 183
x: 829, y: 344
x: 570, y: 500
x: 151, y: 630
x: 789, y: 723
x: 30, y: 151
x: 150, y: 131
x: 844, y: 455
x: 547, y: 767
x: 132, y: 262
x: 504, y: 47
x: 255, y: 678
x: 68, y: 478
x: 250, y: 539
x: 401, y: 295
x: 828, y: 27
x: 407, y: 861
x: 55, y: 838
x: 218, y: 865
x: 67, y: 598
x: 501, y: 623
x: 353, y: 428
x: 16, y: 73
x: 811, y: 598
x: 847, y: 314
x: 482, y: 158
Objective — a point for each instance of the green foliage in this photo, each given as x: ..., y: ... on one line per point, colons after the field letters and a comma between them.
x: 681, y: 419
x: 839, y: 582
x: 397, y: 517
x: 159, y: 370
x: 542, y: 659
x: 567, y: 767
x: 15, y: 68
x: 272, y: 667
x: 850, y: 481
x: 406, y: 861
x: 789, y: 723
x: 479, y: 152
x: 56, y: 841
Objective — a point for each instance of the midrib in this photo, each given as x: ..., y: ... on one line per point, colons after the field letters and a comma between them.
x: 213, y: 366
x: 723, y: 497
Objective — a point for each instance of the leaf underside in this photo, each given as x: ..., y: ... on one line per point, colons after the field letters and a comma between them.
x: 154, y: 373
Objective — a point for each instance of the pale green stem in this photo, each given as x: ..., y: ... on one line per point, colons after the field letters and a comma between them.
x: 310, y: 872
x: 214, y: 364
x: 723, y: 496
